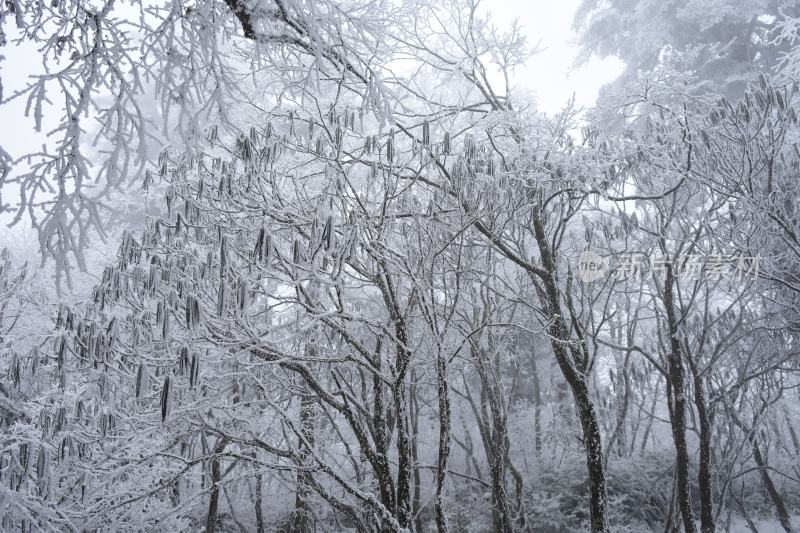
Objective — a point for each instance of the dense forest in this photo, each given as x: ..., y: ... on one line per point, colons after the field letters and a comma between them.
x: 345, y: 276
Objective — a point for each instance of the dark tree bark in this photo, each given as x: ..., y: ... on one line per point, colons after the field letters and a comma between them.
x: 573, y: 364
x: 414, y: 404
x: 704, y: 468
x: 444, y: 440
x: 676, y: 396
x: 216, y: 478
x: 379, y: 423
x: 404, y: 459
x: 258, y: 503
x: 403, y: 497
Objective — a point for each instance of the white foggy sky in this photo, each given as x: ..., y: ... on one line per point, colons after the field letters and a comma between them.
x: 550, y: 74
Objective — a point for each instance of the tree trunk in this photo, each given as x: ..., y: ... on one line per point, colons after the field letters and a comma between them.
x: 649, y: 427
x: 537, y: 405
x: 258, y: 503
x: 761, y: 462
x: 774, y: 495
x: 571, y: 368
x: 677, y: 406
x: 403, y: 498
x: 491, y: 428
x: 216, y: 477
x: 594, y: 454
x: 381, y: 425
x: 404, y: 459
x: 792, y: 433
x: 414, y: 405
x: 302, y: 519
x: 704, y: 473
x: 444, y: 440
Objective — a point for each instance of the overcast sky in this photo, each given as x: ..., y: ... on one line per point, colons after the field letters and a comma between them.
x: 550, y: 74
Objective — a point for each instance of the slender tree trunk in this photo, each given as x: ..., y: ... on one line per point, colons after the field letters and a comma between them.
x: 414, y: 405
x: 497, y: 470
x: 792, y: 433
x: 649, y: 427
x: 704, y: 473
x: 258, y: 503
x: 444, y: 440
x: 404, y: 459
x: 763, y: 467
x: 774, y: 495
x: 504, y: 522
x: 537, y: 405
x: 574, y: 373
x: 518, y: 487
x: 594, y: 455
x: 500, y: 511
x: 491, y: 428
x: 302, y: 520
x: 470, y: 461
x: 403, y: 498
x: 618, y: 434
x: 380, y: 425
x: 677, y: 406
x: 216, y: 478
x: 672, y: 516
